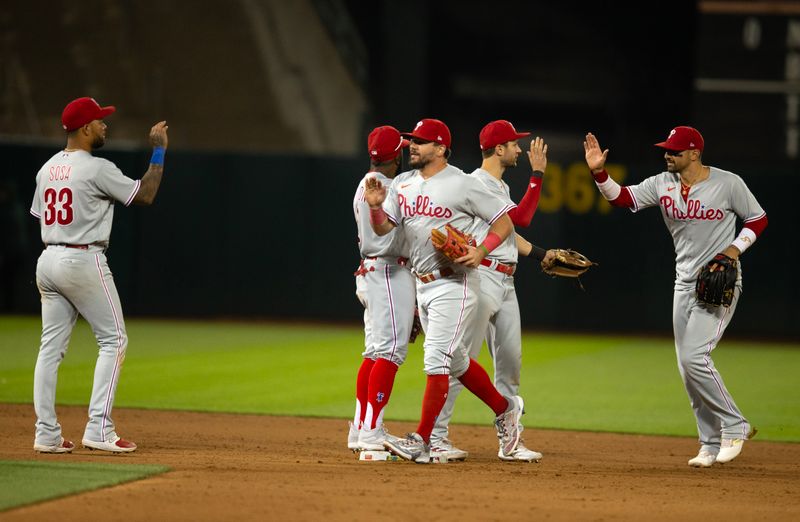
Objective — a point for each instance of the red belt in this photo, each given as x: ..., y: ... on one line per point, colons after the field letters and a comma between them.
x: 500, y: 267
x: 400, y: 260
x: 436, y: 274
x: 81, y: 247
x: 362, y: 270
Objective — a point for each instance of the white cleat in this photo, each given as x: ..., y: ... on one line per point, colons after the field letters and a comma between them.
x: 704, y: 459
x: 373, y: 440
x: 413, y: 447
x: 117, y: 445
x: 730, y: 448
x: 507, y: 425
x: 65, y: 446
x: 352, y: 438
x: 521, y: 454
x: 446, y: 448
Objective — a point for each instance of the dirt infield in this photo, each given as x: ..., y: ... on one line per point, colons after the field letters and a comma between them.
x: 247, y: 467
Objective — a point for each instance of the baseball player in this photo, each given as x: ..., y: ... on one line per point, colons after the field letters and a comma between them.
x: 431, y: 195
x: 497, y: 317
x: 74, y: 203
x: 699, y: 205
x: 385, y: 287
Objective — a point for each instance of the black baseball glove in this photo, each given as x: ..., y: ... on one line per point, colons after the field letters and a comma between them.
x: 717, y: 281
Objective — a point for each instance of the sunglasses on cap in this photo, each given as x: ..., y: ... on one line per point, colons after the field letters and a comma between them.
x: 673, y: 152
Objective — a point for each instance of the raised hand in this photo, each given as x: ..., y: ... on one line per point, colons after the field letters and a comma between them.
x: 595, y: 157
x: 538, y: 154
x: 375, y: 192
x: 158, y: 134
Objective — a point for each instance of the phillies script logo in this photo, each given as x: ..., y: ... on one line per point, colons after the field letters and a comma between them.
x: 694, y: 210
x: 423, y: 207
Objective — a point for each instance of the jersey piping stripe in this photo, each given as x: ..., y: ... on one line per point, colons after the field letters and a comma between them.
x: 392, y: 218
x: 633, y: 197
x: 34, y: 214
x: 458, y: 324
x: 499, y: 214
x: 135, y: 191
x: 391, y: 308
x: 117, y: 361
x: 707, y: 357
x: 748, y: 220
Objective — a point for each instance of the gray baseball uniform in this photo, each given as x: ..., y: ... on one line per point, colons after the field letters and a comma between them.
x: 702, y: 224
x: 385, y: 287
x: 446, y: 304
x: 74, y: 202
x: 497, y: 317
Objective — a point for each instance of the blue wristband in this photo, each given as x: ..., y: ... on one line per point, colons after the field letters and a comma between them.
x: 158, y: 156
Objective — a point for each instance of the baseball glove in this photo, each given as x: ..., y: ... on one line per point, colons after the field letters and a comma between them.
x: 416, y: 326
x: 717, y: 281
x: 567, y: 263
x: 454, y: 244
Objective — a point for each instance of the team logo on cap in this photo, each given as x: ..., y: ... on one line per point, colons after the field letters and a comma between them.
x: 672, y: 133
x: 419, y: 124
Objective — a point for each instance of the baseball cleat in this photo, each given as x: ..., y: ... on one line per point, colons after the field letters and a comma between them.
x: 413, y: 447
x: 507, y: 425
x: 118, y: 445
x: 521, y: 454
x: 445, y: 447
x: 352, y: 438
x: 373, y: 440
x: 704, y: 459
x: 730, y: 448
x: 65, y: 446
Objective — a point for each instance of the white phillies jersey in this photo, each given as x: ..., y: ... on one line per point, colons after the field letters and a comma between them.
x: 371, y: 244
x: 74, y: 198
x: 507, y: 251
x: 450, y: 196
x: 704, y: 224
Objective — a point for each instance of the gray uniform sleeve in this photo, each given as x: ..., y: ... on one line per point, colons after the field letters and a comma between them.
x: 486, y: 206
x: 645, y: 194
x: 36, y: 204
x: 743, y: 202
x: 113, y: 183
x: 391, y: 206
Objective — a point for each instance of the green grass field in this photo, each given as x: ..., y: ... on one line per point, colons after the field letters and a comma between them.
x: 28, y: 482
x: 596, y: 383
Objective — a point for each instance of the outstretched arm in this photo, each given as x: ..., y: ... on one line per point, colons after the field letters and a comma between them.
x: 498, y: 232
x: 527, y: 249
x: 610, y: 189
x: 375, y: 195
x: 152, y: 178
x: 523, y: 213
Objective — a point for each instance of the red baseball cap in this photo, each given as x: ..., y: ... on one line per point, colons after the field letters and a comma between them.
x: 683, y: 138
x: 499, y: 132
x: 385, y: 143
x: 429, y: 129
x: 79, y: 112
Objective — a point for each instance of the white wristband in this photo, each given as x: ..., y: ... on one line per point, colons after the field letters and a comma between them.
x: 610, y: 189
x: 745, y: 240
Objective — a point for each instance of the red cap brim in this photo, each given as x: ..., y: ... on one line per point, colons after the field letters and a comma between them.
x: 665, y: 145
x: 106, y: 111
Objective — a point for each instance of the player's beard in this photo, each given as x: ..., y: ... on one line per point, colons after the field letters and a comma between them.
x: 509, y: 162
x: 98, y: 142
x: 419, y: 163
